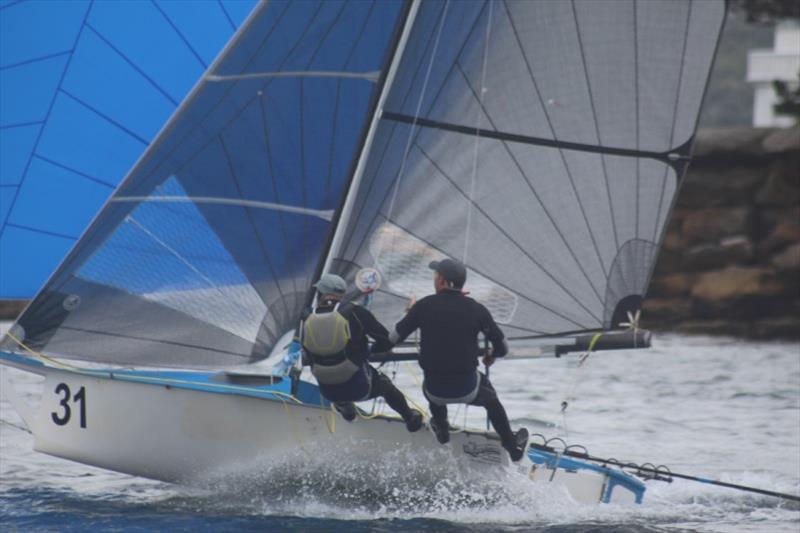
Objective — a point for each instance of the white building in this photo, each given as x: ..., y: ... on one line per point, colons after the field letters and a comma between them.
x: 780, y: 63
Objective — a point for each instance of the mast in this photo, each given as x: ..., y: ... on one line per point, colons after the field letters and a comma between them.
x: 342, y: 215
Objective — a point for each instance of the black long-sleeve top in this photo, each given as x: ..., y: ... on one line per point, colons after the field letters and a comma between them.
x: 450, y: 323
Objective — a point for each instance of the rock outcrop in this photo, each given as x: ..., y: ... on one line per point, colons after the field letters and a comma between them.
x: 730, y: 263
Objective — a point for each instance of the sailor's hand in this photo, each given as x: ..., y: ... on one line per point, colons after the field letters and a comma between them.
x: 411, y: 302
x: 488, y: 360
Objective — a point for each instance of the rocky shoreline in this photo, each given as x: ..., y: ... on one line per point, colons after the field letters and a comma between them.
x: 730, y: 263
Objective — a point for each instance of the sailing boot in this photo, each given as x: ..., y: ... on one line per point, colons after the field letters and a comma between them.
x: 516, y: 448
x: 346, y: 409
x: 413, y: 420
x: 441, y: 428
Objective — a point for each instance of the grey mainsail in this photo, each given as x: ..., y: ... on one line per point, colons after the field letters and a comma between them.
x: 542, y: 143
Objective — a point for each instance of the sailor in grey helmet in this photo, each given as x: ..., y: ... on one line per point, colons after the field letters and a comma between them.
x: 334, y: 338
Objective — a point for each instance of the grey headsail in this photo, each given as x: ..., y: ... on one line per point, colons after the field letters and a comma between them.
x: 204, y: 254
x: 542, y: 143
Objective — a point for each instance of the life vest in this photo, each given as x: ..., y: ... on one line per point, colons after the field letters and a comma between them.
x: 324, y: 337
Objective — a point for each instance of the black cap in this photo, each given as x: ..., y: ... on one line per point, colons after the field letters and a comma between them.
x: 451, y: 270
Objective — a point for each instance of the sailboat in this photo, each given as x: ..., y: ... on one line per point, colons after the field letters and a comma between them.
x: 542, y: 143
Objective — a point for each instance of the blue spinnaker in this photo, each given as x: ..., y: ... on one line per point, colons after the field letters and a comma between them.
x: 84, y: 88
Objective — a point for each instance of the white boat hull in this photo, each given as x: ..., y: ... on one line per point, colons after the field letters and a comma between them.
x: 179, y: 435
x: 198, y: 428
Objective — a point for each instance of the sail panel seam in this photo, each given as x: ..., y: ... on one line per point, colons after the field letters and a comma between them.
x: 506, y: 235
x: 36, y: 59
x: 180, y: 34
x: 44, y: 231
x: 133, y: 65
x: 227, y: 15
x: 105, y: 117
x: 597, y: 132
x: 74, y: 171
x: 46, y: 117
x: 254, y: 227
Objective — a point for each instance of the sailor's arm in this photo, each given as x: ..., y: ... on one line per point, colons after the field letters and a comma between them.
x: 494, y: 334
x: 374, y: 329
x: 406, y: 326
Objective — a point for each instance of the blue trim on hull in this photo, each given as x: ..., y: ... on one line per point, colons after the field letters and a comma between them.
x: 616, y: 478
x: 214, y: 382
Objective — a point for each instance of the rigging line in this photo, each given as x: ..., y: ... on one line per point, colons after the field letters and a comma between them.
x: 253, y: 225
x: 74, y: 171
x: 636, y: 92
x: 13, y: 425
x: 35, y: 147
x: 483, y: 90
x: 510, y: 238
x: 180, y: 34
x: 597, y: 131
x: 35, y: 59
x: 107, y: 118
x: 390, y: 136
x: 133, y: 65
x: 399, y: 178
x: 270, y: 206
x: 268, y: 153
x: 553, y: 131
x: 674, y: 116
x: 525, y: 178
x: 531, y: 300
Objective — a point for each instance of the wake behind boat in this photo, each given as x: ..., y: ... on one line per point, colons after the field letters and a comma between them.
x: 541, y: 143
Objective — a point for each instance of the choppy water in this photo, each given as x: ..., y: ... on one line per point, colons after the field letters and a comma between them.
x: 718, y: 408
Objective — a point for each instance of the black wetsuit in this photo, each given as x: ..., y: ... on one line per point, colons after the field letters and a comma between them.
x: 450, y: 323
x: 362, y: 324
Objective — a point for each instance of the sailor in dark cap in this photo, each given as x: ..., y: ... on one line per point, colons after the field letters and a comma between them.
x: 450, y: 323
x: 334, y: 337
